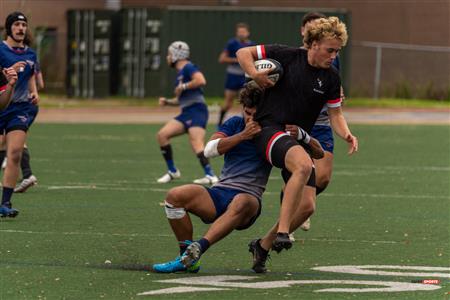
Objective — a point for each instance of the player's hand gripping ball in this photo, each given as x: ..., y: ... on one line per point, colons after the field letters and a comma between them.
x: 263, y: 65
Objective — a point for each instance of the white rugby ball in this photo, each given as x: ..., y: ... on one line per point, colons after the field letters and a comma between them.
x: 266, y: 64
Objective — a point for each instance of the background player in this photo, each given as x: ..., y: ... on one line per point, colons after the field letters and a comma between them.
x: 235, y: 77
x: 194, y: 113
x: 17, y: 118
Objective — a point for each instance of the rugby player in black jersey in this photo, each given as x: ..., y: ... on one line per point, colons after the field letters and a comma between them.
x: 297, y: 98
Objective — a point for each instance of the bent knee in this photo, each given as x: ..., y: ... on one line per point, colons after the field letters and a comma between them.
x: 246, y: 206
x: 175, y: 197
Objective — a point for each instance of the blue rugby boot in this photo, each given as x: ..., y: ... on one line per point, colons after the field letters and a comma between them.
x: 6, y: 211
x: 176, y: 266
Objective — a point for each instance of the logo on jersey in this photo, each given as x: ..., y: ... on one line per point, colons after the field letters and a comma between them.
x: 23, y: 119
x: 319, y: 82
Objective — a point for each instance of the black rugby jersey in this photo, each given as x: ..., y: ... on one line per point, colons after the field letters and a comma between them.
x: 300, y: 94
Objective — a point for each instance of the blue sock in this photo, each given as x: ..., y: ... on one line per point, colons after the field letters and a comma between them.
x: 204, y: 243
x: 208, y: 170
x: 6, y: 196
x: 171, y: 166
x: 166, y: 152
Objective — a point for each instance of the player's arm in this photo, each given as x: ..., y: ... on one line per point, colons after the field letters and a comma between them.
x: 314, y: 146
x: 246, y: 58
x: 32, y: 87
x: 7, y: 85
x: 220, y: 144
x: 224, y: 58
x: 340, y: 127
x: 198, y: 80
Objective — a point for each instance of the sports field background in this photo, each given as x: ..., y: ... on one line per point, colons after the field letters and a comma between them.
x: 97, y: 201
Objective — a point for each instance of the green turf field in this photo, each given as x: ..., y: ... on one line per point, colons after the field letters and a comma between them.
x: 97, y: 200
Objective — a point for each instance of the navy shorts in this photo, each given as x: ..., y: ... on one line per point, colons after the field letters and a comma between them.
x: 18, y: 116
x: 234, y: 82
x: 324, y: 134
x: 222, y: 197
x: 195, y: 115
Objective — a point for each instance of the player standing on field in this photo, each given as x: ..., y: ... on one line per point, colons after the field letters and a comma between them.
x: 17, y: 118
x: 194, y: 113
x: 235, y: 77
x: 307, y: 85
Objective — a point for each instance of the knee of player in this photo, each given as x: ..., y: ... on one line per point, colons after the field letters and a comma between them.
x: 245, y: 206
x: 174, y: 198
x: 172, y: 207
x: 322, y: 182
x: 14, y: 156
x: 303, y: 167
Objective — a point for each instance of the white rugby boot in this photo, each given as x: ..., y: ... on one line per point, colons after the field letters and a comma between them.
x: 208, y: 179
x: 169, y: 176
x: 26, y: 184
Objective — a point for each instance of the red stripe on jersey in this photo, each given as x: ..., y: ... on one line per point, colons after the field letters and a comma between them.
x: 269, y: 145
x: 334, y: 101
x: 2, y: 88
x: 263, y: 51
x: 221, y: 133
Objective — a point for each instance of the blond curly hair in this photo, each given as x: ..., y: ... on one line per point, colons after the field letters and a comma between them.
x: 325, y: 28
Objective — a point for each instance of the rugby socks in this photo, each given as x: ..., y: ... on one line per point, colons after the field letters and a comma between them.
x: 166, y: 152
x: 6, y: 196
x: 205, y: 164
x: 25, y: 164
x: 204, y: 244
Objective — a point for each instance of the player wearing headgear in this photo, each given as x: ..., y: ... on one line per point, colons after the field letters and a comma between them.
x: 193, y: 117
x: 234, y: 202
x: 235, y: 78
x: 307, y: 85
x: 17, y: 118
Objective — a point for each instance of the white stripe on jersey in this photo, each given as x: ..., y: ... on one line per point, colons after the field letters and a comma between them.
x: 273, y: 143
x: 259, y: 52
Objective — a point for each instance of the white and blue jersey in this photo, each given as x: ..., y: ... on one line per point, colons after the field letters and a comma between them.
x: 8, y: 57
x: 20, y: 113
x: 322, y: 128
x: 235, y: 78
x: 243, y: 168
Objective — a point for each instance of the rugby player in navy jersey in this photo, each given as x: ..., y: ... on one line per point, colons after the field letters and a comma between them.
x: 17, y: 118
x: 232, y: 203
x: 194, y: 113
x: 308, y: 83
x: 235, y: 77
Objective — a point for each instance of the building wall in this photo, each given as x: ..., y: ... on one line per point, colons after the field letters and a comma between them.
x: 416, y: 22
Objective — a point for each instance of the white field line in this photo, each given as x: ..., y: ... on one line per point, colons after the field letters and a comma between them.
x: 104, y: 234
x: 150, y: 189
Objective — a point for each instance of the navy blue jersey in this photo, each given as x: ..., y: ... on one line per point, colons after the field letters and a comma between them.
x: 10, y: 56
x: 233, y: 45
x: 189, y: 96
x: 243, y: 168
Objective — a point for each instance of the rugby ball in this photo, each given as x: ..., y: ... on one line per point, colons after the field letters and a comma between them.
x: 276, y: 70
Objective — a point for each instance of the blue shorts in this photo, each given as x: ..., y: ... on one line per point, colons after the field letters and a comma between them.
x: 195, y: 115
x: 18, y: 116
x: 324, y: 134
x: 222, y: 197
x: 234, y: 82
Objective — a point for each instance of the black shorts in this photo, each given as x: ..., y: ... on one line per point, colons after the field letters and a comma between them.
x: 273, y: 143
x: 311, y: 180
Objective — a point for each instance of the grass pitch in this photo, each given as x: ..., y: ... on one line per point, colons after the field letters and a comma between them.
x: 97, y: 202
